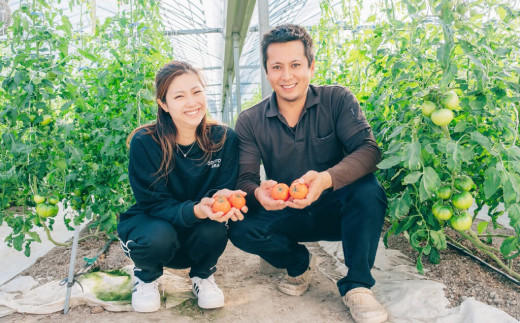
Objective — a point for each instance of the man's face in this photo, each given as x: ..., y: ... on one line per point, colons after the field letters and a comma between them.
x: 288, y: 70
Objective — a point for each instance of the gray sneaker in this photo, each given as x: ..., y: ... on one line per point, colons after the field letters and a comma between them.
x: 297, y: 286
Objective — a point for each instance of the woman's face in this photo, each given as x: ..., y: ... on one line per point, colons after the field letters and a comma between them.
x: 185, y: 101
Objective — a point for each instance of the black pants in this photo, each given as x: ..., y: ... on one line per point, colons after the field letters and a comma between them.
x: 153, y: 243
x: 353, y: 214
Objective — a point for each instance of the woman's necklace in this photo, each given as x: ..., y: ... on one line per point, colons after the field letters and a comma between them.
x: 182, y: 152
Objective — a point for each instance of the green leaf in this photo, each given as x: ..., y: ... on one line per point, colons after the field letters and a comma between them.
x: 412, y: 177
x: 34, y: 236
x: 479, y: 138
x: 390, y: 162
x: 27, y: 251
x: 509, y: 245
x: 18, y: 242
x: 419, y: 264
x: 491, y: 181
x: 431, y: 180
x: 435, y: 257
x: 452, y: 157
x: 501, y: 12
x: 513, y: 212
x: 510, y: 196
x: 438, y: 239
x: 482, y: 226
x: 414, y: 155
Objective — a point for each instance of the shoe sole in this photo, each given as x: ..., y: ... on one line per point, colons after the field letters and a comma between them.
x: 292, y: 292
x: 146, y: 309
x: 208, y: 305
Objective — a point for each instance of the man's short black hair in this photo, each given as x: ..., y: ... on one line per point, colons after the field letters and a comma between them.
x: 286, y: 33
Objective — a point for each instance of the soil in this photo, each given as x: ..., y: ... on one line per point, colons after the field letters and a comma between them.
x: 253, y: 297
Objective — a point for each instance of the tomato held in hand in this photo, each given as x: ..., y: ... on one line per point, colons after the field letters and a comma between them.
x: 280, y: 192
x: 298, y: 191
x: 237, y: 200
x: 221, y: 204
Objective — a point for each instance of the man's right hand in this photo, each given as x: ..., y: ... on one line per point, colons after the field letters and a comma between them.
x: 263, y: 195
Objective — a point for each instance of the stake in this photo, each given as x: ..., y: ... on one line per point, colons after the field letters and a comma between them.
x: 70, y: 279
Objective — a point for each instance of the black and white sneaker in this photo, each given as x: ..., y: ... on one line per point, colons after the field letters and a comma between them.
x: 208, y: 294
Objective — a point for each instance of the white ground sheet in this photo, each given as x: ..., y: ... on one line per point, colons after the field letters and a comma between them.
x: 409, y: 297
x: 13, y: 262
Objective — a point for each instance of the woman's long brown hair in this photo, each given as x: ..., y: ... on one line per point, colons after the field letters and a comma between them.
x: 164, y: 131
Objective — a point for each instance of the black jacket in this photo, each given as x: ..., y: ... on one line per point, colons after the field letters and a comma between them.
x: 191, y: 179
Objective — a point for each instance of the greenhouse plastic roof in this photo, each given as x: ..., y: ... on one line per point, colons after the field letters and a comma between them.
x: 197, y: 33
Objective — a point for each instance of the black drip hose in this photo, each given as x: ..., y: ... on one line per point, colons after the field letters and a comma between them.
x: 484, y: 263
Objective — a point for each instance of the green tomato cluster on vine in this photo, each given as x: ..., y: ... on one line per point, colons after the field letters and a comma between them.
x: 440, y: 111
x: 461, y: 200
x: 46, y: 207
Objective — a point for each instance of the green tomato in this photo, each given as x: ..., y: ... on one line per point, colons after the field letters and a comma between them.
x: 38, y: 199
x: 462, y: 222
x: 444, y: 192
x: 443, y: 213
x: 427, y: 108
x: 46, y: 120
x: 442, y: 117
x: 436, y: 207
x: 462, y: 201
x: 450, y: 100
x: 464, y: 183
x: 54, y: 200
x: 46, y: 210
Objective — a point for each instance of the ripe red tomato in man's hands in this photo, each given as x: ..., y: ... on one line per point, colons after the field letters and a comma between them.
x: 237, y: 200
x: 298, y: 191
x: 221, y: 204
x: 280, y: 192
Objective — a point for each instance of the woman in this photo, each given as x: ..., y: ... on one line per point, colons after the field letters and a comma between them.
x: 176, y: 165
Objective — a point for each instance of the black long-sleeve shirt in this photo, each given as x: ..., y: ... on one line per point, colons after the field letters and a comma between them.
x: 191, y: 179
x: 332, y: 134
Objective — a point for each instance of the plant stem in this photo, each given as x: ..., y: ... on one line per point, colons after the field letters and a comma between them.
x: 446, y: 132
x: 472, y: 237
x: 50, y: 237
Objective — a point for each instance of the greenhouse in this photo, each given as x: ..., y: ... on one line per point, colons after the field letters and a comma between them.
x: 260, y: 161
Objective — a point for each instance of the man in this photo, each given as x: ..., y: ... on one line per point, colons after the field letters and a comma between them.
x: 315, y: 135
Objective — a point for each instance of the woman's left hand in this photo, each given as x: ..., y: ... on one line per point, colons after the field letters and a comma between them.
x: 203, y: 210
x: 234, y: 214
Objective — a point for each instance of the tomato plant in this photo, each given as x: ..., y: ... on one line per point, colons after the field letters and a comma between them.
x: 438, y: 82
x: 61, y: 127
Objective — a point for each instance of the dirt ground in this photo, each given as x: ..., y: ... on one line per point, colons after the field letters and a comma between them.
x: 253, y: 297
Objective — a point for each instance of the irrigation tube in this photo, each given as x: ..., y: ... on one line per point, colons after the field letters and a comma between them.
x: 483, y: 262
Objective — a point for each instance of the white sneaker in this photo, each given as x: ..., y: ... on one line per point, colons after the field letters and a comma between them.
x: 145, y: 296
x: 207, y: 292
